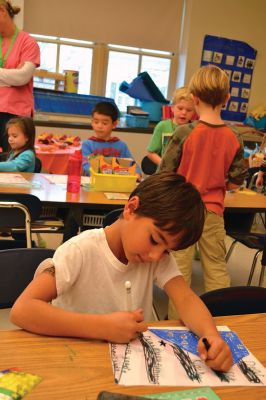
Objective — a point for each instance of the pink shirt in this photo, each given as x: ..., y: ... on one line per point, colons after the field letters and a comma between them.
x: 18, y: 100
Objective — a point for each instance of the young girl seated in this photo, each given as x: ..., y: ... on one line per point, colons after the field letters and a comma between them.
x: 21, y: 137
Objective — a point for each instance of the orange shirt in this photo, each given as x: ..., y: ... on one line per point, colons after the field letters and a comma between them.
x: 207, y: 155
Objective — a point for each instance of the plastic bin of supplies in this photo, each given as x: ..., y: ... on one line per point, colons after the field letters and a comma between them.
x: 137, y: 121
x: 111, y: 182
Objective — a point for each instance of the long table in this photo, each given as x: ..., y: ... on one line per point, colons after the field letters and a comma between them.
x: 79, y: 369
x: 56, y: 195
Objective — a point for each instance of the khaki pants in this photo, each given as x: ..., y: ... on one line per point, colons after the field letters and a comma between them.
x: 212, y: 256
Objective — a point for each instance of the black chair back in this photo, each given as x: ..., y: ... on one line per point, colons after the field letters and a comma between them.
x: 15, y: 218
x: 237, y: 300
x: 17, y: 268
x: 148, y: 166
x: 38, y: 165
x: 112, y: 216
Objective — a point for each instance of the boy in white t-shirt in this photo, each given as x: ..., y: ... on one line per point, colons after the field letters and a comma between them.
x: 85, y: 280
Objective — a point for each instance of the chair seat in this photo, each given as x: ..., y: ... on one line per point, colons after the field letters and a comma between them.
x: 236, y: 300
x: 253, y: 241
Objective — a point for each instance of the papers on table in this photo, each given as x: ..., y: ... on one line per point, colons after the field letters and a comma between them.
x: 62, y: 179
x: 168, y: 356
x: 13, y: 180
x: 116, y: 196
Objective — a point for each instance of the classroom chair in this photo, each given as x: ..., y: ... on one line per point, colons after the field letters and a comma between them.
x: 17, y: 268
x: 21, y: 213
x: 38, y: 165
x: 237, y: 300
x: 238, y: 226
x: 148, y: 167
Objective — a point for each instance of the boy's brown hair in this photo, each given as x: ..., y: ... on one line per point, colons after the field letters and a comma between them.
x: 210, y: 84
x: 174, y: 204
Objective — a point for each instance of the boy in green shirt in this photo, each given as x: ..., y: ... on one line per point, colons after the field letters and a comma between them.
x: 183, y: 110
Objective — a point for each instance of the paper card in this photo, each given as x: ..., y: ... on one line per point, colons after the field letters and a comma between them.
x: 116, y: 196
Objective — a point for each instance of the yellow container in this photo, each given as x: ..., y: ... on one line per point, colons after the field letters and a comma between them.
x: 71, y: 81
x: 112, y: 183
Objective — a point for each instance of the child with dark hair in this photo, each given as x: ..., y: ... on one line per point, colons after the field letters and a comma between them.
x: 104, y: 119
x: 21, y: 138
x: 81, y: 291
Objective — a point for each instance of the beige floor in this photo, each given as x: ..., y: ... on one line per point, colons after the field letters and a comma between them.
x: 239, y: 266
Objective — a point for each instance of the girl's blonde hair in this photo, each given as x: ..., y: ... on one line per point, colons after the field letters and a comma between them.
x: 12, y: 10
x: 181, y: 93
x: 210, y: 84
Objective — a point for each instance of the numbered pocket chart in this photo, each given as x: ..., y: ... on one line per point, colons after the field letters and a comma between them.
x: 237, y: 59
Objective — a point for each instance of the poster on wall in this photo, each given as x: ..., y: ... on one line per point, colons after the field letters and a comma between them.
x: 237, y: 59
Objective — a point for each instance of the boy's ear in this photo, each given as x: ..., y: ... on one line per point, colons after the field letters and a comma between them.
x: 115, y: 123
x: 131, y: 206
x: 195, y: 99
x: 227, y: 99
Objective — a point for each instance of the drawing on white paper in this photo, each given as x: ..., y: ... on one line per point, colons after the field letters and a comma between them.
x: 167, y: 356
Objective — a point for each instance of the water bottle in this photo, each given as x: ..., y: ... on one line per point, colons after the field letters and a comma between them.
x: 74, y: 172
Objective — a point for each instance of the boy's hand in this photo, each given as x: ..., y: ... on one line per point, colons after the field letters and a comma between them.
x: 123, y: 326
x: 218, y: 356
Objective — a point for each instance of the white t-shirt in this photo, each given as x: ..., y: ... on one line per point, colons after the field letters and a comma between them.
x: 90, y: 279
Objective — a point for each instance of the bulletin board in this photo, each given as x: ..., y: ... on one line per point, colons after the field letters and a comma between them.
x: 237, y: 59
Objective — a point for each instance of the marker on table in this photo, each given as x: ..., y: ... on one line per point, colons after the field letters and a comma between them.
x: 128, y: 296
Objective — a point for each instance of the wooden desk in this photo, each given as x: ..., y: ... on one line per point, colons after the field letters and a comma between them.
x: 245, y: 200
x: 80, y: 369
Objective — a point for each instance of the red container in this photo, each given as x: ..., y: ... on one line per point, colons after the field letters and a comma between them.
x: 74, y: 172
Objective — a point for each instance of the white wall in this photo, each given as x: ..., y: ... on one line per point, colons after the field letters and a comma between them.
x: 19, y: 18
x: 243, y: 20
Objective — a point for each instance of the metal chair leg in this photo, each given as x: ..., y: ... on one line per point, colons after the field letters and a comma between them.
x: 229, y: 252
x: 262, y: 271
x: 253, y: 266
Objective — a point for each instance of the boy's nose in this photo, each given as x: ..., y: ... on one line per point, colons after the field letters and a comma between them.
x: 156, y: 254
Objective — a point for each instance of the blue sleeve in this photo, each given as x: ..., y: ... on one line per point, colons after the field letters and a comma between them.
x: 86, y: 151
x: 24, y: 162
x: 125, y: 153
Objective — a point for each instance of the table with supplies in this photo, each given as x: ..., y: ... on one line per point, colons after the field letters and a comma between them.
x: 79, y: 369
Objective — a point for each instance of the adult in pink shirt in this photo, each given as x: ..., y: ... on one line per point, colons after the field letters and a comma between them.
x: 19, y: 56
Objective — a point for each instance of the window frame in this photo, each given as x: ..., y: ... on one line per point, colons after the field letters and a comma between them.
x: 100, y: 59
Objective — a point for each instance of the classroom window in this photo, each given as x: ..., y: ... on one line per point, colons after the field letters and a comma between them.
x: 77, y: 59
x: 102, y: 71
x: 126, y: 63
x: 59, y: 54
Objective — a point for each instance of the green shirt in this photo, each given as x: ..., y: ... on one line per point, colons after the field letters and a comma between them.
x: 163, y: 131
